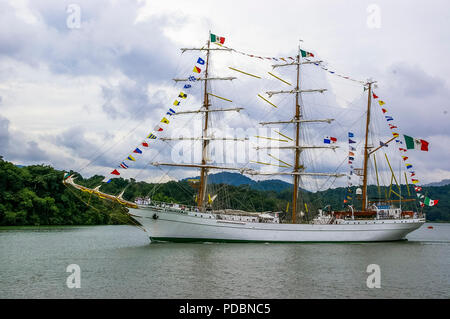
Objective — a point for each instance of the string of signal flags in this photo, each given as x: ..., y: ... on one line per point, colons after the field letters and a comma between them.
x: 163, y: 123
x: 408, y: 143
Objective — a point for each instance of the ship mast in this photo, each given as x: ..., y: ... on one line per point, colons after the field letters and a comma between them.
x: 297, y: 142
x: 203, y: 170
x: 205, y: 138
x: 366, y: 148
x: 298, y: 169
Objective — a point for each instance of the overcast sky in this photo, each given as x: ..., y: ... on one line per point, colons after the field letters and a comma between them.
x: 83, y: 96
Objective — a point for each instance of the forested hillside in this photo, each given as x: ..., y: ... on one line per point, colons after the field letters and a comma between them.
x: 35, y: 195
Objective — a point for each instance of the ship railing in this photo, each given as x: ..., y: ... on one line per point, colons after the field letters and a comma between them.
x: 171, y: 206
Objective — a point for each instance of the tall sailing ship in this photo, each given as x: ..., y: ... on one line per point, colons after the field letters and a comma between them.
x: 380, y: 219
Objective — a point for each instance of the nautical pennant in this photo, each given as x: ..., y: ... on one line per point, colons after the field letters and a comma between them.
x: 197, y: 69
x: 171, y: 112
x: 164, y: 120
x: 137, y: 151
x: 115, y: 172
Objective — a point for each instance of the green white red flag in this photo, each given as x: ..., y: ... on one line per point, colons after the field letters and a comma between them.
x: 430, y: 202
x: 216, y: 39
x: 415, y: 143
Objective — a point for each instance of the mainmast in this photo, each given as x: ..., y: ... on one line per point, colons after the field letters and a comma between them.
x: 298, y: 169
x: 297, y: 142
x: 366, y: 148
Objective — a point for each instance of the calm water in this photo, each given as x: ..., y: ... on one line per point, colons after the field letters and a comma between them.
x: 119, y: 262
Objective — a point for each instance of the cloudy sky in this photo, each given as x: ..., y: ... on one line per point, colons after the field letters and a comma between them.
x: 83, y: 82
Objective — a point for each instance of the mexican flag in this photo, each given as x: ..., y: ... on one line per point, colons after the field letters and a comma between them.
x: 306, y: 54
x: 216, y: 39
x: 415, y: 143
x: 430, y: 202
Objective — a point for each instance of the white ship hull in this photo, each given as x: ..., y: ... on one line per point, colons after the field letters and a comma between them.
x: 164, y: 225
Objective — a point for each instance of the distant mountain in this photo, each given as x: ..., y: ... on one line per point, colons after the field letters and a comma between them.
x: 441, y: 183
x: 237, y: 179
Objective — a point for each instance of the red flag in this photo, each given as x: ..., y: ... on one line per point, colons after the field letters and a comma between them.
x: 374, y: 96
x: 402, y: 149
x: 417, y: 188
x: 145, y: 144
x: 424, y: 145
x: 384, y: 110
x: 115, y: 172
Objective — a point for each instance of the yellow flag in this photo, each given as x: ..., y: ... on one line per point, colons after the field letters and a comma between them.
x: 381, y: 102
x: 164, y: 120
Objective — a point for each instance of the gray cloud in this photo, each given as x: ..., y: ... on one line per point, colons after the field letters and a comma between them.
x: 14, y: 147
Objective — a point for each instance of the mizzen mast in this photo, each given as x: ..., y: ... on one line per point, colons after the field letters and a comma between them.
x: 366, y: 148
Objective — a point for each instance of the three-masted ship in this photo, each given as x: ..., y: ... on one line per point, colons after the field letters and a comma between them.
x: 374, y: 221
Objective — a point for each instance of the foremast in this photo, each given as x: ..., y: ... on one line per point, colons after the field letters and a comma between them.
x: 205, y: 138
x: 204, y: 171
